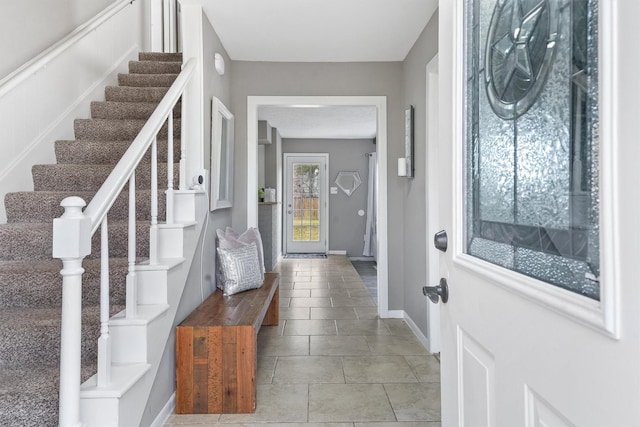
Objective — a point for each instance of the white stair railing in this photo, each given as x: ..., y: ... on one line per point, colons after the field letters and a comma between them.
x: 72, y: 234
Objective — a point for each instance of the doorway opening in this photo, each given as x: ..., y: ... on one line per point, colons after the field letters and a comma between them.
x: 380, y: 104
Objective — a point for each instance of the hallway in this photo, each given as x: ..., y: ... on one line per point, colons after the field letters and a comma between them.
x: 331, y: 360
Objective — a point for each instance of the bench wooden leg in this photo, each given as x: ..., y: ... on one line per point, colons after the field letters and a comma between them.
x: 273, y: 312
x: 216, y: 372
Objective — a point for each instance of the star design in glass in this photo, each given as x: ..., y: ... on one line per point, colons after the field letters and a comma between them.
x: 513, y: 46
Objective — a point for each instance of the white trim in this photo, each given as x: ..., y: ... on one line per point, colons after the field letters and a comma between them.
x: 380, y: 102
x: 324, y: 211
x: 41, y: 61
x: 337, y: 253
x: 85, y: 97
x: 418, y: 333
x: 361, y: 258
x: 602, y: 316
x: 165, y: 412
x: 395, y: 314
x: 432, y: 186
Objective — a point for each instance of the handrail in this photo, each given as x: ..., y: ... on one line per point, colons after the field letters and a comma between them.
x: 41, y: 60
x: 115, y: 182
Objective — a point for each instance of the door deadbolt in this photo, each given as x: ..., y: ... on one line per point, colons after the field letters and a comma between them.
x: 437, y: 293
x: 440, y: 240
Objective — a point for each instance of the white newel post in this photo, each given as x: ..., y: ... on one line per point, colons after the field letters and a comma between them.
x: 71, y: 243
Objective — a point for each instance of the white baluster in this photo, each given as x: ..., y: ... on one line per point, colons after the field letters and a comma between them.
x: 71, y: 243
x: 169, y: 218
x: 104, y: 342
x: 183, y: 151
x: 132, y: 298
x: 153, y: 231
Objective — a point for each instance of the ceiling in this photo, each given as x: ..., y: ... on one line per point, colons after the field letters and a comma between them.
x: 319, y: 31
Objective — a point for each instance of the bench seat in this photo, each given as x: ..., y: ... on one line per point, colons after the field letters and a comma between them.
x: 216, y: 350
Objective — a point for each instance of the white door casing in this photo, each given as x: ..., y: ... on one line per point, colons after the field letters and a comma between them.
x: 515, y: 350
x: 316, y: 235
x: 432, y: 186
x: 380, y: 103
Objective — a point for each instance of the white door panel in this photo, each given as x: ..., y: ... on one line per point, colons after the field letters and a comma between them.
x: 516, y: 350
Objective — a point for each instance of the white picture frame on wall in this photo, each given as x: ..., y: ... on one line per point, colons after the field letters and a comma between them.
x: 222, y: 141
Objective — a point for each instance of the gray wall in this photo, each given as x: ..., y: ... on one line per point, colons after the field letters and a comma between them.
x: 346, y: 228
x: 197, y: 284
x: 414, y: 190
x: 29, y: 27
x: 333, y: 79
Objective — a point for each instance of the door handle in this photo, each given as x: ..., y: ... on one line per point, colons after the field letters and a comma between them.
x: 437, y: 293
x: 289, y: 212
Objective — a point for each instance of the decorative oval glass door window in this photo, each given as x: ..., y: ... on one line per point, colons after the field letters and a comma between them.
x: 348, y: 181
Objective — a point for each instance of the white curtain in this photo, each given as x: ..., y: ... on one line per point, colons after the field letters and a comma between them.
x: 371, y: 235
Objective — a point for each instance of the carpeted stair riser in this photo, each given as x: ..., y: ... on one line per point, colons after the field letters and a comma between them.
x: 154, y: 67
x: 31, y: 336
x: 146, y: 80
x: 127, y: 110
x: 34, y: 241
x: 160, y: 56
x: 107, y: 152
x: 117, y: 130
x: 134, y: 94
x: 61, y: 177
x: 39, y: 284
x: 42, y: 206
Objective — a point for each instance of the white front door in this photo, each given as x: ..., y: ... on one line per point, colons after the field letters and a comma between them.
x: 306, y: 225
x: 539, y: 198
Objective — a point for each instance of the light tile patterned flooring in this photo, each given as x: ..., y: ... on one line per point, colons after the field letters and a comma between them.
x: 331, y: 361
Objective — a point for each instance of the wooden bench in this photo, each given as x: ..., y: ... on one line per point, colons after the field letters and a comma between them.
x: 216, y: 353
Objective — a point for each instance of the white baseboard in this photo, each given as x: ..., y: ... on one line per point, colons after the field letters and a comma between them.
x: 417, y: 332
x: 166, y: 412
x: 336, y: 252
x: 394, y: 314
x: 361, y: 258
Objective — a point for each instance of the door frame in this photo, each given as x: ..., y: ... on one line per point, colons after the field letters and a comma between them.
x: 432, y: 224
x: 324, y: 194
x: 380, y: 102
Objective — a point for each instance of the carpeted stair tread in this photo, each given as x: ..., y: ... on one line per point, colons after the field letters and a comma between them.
x: 146, y: 80
x: 155, y: 67
x: 134, y: 94
x: 106, y: 152
x: 24, y: 241
x: 42, y: 206
x: 31, y: 336
x: 160, y: 56
x: 116, y: 130
x: 126, y: 110
x: 39, y: 283
x: 29, y: 395
x: 66, y: 177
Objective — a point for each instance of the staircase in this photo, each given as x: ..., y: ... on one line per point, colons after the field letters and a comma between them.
x: 30, y: 281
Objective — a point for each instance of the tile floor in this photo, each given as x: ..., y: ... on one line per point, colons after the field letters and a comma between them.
x: 331, y: 362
